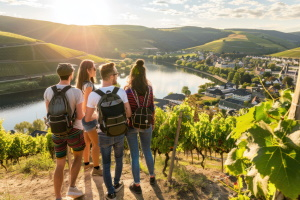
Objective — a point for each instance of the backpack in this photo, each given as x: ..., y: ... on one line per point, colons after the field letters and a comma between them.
x: 111, y: 112
x: 142, y: 117
x: 60, y: 116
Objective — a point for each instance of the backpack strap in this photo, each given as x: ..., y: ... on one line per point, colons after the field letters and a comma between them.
x: 147, y: 96
x: 99, y: 92
x: 135, y: 96
x: 64, y: 90
x: 115, y: 90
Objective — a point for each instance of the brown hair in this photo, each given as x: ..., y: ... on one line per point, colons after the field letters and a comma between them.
x: 82, y: 74
x: 137, y: 78
x: 106, y: 70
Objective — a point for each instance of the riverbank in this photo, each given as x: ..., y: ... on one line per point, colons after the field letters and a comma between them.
x: 197, y: 70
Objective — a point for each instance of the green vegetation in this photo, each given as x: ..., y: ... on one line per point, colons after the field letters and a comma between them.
x: 292, y: 53
x: 11, y: 38
x: 248, y: 43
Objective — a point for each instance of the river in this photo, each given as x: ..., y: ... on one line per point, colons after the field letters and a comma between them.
x: 164, y: 78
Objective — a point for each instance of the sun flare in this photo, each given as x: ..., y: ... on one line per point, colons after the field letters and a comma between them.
x: 87, y: 12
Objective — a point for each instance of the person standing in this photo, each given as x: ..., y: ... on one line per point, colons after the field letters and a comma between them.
x: 65, y: 135
x: 85, y: 82
x: 109, y: 75
x: 140, y: 94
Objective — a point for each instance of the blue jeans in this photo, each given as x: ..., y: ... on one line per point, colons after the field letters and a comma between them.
x: 145, y: 138
x: 88, y: 126
x: 106, y: 143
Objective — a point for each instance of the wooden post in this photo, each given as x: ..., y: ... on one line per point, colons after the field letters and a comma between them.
x: 174, y: 148
x: 295, y: 107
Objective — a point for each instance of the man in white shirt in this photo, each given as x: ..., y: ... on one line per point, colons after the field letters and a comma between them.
x: 73, y: 138
x: 109, y: 75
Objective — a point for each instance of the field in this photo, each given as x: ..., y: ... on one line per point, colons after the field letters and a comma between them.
x: 31, y: 58
x: 292, y: 53
x: 243, y: 42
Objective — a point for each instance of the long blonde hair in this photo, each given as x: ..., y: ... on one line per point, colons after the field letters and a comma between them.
x: 82, y: 74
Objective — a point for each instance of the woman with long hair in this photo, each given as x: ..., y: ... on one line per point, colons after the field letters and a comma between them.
x: 140, y: 94
x: 85, y: 82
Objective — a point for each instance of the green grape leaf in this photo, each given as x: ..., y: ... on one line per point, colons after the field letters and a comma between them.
x: 262, y: 134
x: 235, y: 163
x: 282, y: 165
x: 261, y: 112
x: 243, y: 123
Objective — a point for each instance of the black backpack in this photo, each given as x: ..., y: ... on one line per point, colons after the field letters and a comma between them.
x: 60, y: 117
x: 111, y: 112
x: 142, y: 117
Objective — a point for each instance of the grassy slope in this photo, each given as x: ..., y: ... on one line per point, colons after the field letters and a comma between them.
x: 291, y: 53
x: 98, y: 40
x: 35, y: 58
x: 247, y: 43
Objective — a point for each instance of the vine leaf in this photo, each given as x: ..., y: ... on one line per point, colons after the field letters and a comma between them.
x: 282, y: 165
x: 243, y: 123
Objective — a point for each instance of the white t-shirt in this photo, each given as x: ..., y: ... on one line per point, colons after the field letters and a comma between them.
x: 74, y: 97
x: 94, y: 98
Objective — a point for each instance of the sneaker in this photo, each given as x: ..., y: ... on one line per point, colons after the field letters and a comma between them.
x: 112, y: 196
x: 118, y: 186
x: 97, y: 172
x: 74, y: 192
x: 136, y: 189
x: 152, y: 180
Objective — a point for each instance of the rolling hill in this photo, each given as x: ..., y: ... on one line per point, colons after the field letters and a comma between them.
x: 248, y: 43
x: 291, y: 53
x: 104, y: 40
x: 21, y: 55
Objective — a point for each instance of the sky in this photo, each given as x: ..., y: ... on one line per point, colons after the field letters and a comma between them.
x: 259, y: 14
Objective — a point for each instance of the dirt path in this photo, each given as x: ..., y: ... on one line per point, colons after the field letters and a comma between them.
x: 40, y: 187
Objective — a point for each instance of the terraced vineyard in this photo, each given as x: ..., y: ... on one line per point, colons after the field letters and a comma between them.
x: 21, y: 55
x: 254, y: 43
x: 292, y: 53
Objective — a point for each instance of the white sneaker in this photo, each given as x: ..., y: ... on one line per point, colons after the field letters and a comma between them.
x: 74, y: 192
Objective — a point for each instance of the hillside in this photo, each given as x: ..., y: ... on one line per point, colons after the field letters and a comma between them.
x: 296, y: 33
x: 291, y: 53
x: 245, y: 42
x: 104, y: 40
x: 21, y: 55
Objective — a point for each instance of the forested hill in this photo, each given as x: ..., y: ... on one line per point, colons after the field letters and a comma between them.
x: 100, y: 40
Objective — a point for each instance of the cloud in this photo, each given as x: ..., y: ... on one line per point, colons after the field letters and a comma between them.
x: 167, y: 11
x: 31, y: 3
x: 129, y: 16
x: 244, y: 2
x: 160, y: 3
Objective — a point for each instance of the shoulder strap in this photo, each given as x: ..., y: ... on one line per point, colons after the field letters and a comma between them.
x: 54, y: 88
x: 99, y: 92
x: 115, y: 90
x: 147, y: 95
x: 135, y: 96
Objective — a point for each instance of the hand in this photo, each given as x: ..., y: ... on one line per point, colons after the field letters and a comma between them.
x: 94, y: 116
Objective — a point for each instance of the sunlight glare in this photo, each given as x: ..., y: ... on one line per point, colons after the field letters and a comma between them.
x: 79, y: 12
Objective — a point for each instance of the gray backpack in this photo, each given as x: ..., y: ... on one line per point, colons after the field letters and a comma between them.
x: 60, y: 116
x: 111, y: 112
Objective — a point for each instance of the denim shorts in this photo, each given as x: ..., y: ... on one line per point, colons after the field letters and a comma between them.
x: 88, y: 126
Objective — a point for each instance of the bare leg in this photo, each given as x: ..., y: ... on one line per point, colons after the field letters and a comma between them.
x: 59, y: 176
x: 95, y: 149
x: 87, y: 149
x: 75, y: 167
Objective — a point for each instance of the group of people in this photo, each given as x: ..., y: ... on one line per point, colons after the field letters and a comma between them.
x: 83, y: 102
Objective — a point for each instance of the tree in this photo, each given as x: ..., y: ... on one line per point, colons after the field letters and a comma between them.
x: 179, y: 62
x: 208, y: 61
x: 288, y: 81
x: 246, y: 78
x: 23, y: 127
x: 237, y: 78
x: 185, y: 90
x: 38, y: 124
x: 230, y: 76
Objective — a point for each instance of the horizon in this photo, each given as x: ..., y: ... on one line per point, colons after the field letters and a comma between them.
x: 147, y: 26
x: 218, y: 14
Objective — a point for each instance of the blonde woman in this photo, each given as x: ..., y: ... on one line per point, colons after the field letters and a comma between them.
x: 85, y: 82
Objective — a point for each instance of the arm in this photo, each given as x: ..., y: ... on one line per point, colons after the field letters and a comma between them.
x: 89, y: 113
x: 47, y: 105
x: 79, y: 112
x: 127, y: 109
x: 86, y: 95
